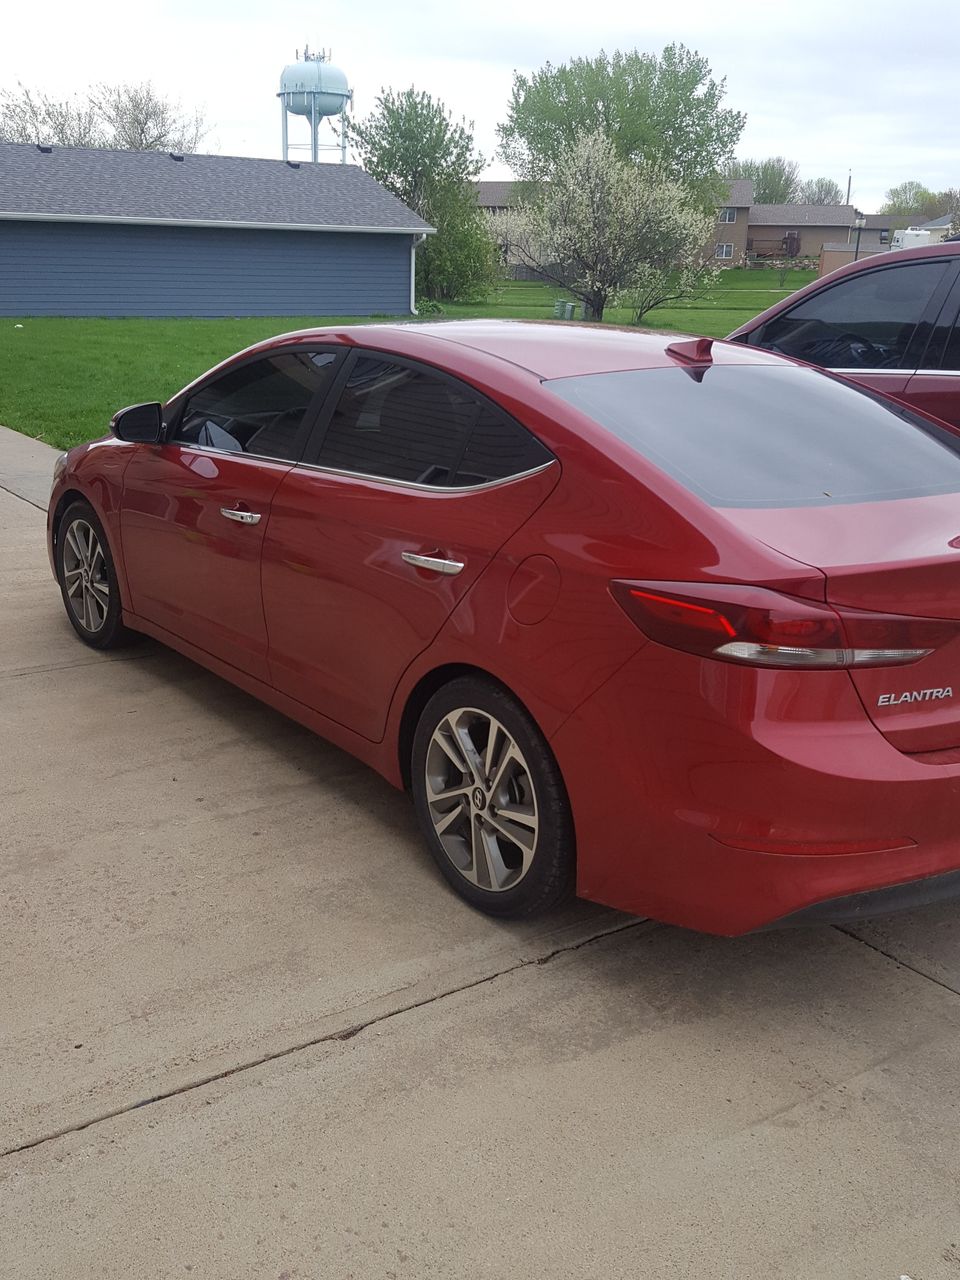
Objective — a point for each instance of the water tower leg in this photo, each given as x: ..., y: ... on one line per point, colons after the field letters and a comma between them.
x: 314, y: 140
x: 283, y: 129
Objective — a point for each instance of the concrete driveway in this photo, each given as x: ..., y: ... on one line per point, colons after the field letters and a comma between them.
x: 247, y: 1032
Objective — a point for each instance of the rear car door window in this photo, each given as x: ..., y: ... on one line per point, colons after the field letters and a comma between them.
x: 866, y: 321
x: 400, y: 422
x: 259, y: 408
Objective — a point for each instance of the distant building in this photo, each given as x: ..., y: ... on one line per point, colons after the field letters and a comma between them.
x: 88, y: 232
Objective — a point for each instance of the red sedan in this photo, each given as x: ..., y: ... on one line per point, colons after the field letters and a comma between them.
x: 677, y: 621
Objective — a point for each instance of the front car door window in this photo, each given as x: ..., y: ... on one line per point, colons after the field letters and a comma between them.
x: 866, y: 321
x: 196, y: 509
x: 258, y: 408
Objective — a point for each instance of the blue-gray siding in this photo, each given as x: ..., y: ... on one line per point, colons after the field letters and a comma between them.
x: 111, y: 269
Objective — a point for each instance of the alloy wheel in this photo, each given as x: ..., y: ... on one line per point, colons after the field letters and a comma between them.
x: 481, y: 799
x: 85, y: 579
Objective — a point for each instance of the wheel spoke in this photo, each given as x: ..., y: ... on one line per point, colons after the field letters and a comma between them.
x: 448, y: 819
x: 496, y: 871
x: 526, y: 817
x: 446, y: 739
x: 447, y: 793
x: 470, y: 753
x: 510, y: 756
x: 490, y: 755
x: 73, y: 542
x: 101, y: 591
x: 524, y: 840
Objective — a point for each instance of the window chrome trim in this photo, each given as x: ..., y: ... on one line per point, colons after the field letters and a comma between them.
x: 889, y: 373
x: 226, y: 453
x: 426, y: 488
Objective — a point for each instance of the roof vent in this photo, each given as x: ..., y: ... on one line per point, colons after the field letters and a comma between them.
x: 175, y: 155
x: 46, y: 150
x: 293, y: 164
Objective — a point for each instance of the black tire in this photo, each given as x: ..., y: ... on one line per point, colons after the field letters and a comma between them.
x: 530, y: 783
x: 97, y: 623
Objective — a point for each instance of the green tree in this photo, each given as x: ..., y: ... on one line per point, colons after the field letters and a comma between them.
x: 605, y: 228
x: 912, y: 198
x: 950, y: 203
x: 776, y: 180
x: 664, y: 111
x: 413, y: 146
x: 126, y: 117
x: 820, y: 191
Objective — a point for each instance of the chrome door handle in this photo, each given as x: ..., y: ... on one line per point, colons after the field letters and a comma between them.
x: 433, y: 563
x: 241, y: 517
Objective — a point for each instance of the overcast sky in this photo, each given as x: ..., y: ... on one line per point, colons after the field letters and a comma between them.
x: 834, y: 86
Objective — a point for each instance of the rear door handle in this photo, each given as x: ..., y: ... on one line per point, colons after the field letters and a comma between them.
x: 435, y: 563
x: 241, y: 517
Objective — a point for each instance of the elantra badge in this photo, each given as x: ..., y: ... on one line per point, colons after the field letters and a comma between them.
x: 915, y: 695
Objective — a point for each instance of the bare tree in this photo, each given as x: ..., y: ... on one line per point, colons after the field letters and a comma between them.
x: 26, y: 116
x: 776, y: 180
x: 137, y: 118
x: 127, y: 117
x: 820, y: 191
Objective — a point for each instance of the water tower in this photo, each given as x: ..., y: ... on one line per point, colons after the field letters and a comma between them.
x: 313, y: 87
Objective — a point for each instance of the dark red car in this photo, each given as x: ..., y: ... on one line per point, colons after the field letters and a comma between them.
x: 889, y: 322
x: 678, y: 619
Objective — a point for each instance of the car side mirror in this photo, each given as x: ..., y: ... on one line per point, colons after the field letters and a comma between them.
x: 138, y: 423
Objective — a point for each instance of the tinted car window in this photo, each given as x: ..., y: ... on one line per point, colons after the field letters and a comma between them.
x: 863, y: 322
x: 951, y: 352
x: 755, y: 436
x: 943, y: 349
x: 258, y: 408
x: 403, y: 423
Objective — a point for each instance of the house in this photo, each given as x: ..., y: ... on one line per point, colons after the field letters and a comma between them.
x: 496, y: 197
x: 733, y: 223
x: 939, y: 228
x: 797, y: 230
x: 90, y: 232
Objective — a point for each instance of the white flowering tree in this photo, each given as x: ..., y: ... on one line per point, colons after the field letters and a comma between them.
x: 604, y: 228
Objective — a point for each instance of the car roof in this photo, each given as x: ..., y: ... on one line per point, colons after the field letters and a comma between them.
x: 543, y: 348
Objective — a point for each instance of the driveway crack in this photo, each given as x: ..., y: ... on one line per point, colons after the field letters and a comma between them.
x: 897, y: 960
x: 345, y: 1033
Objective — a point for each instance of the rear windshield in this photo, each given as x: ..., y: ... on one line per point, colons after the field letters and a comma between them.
x: 765, y: 436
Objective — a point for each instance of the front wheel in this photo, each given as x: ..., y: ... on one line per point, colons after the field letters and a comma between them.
x: 490, y: 800
x: 88, y: 580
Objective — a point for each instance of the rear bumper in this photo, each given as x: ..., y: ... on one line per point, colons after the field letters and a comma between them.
x: 875, y: 902
x: 673, y: 756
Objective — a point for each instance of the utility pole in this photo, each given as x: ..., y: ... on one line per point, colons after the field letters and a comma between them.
x: 849, y: 180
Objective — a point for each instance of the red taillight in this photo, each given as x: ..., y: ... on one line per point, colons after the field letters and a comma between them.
x: 760, y: 627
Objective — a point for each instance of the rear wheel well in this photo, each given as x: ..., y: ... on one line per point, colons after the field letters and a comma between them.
x: 420, y: 695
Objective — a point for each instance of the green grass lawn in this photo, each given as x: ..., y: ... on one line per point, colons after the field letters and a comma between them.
x: 61, y: 379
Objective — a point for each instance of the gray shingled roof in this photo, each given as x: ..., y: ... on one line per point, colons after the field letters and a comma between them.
x: 495, y: 195
x: 500, y: 195
x: 936, y: 223
x: 802, y: 215
x: 81, y: 183
x: 740, y: 193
